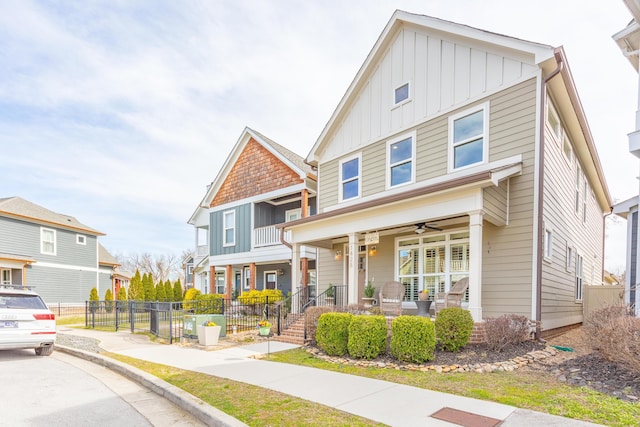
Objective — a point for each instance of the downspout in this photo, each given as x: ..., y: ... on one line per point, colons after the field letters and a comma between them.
x: 604, y: 235
x: 543, y: 96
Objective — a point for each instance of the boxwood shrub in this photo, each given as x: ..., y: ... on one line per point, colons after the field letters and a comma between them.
x: 413, y: 339
x: 367, y: 336
x: 453, y: 328
x: 332, y: 333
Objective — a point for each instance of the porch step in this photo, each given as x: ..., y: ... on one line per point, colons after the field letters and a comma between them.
x: 294, y: 334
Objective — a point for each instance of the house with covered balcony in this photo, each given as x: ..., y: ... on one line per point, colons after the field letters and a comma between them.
x: 459, y: 153
x: 238, y: 245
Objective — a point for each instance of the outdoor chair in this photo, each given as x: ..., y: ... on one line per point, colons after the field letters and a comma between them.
x: 453, y: 298
x: 391, y: 296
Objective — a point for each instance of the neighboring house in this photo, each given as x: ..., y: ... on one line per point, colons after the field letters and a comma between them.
x: 629, y: 42
x: 238, y: 247
x: 187, y: 270
x: 110, y: 277
x: 457, y: 152
x: 51, y: 251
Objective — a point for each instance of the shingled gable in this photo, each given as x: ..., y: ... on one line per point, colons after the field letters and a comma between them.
x: 256, y: 165
x: 19, y: 208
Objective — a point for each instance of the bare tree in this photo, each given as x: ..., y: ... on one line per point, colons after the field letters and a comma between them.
x: 161, y: 267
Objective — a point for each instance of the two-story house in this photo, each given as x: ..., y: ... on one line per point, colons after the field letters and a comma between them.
x: 238, y: 247
x: 51, y: 251
x: 628, y: 40
x: 457, y: 152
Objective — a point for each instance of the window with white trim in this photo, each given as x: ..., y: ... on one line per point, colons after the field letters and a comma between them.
x: 81, y: 239
x: 567, y: 149
x: 229, y: 228
x: 401, y: 160
x: 584, y: 199
x: 401, y: 94
x: 579, y: 279
x: 47, y: 241
x: 554, y: 121
x: 5, y: 279
x: 220, y: 282
x: 350, y: 182
x: 434, y: 262
x: 577, y: 188
x: 548, y: 244
x: 569, y: 257
x: 247, y: 278
x: 468, y: 138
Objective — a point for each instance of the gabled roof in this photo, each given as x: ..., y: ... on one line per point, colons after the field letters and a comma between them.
x: 295, y: 162
x: 19, y: 208
x: 105, y: 258
x: 538, y: 53
x: 628, y: 39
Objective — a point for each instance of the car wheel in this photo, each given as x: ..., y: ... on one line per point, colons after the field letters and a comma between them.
x: 44, y: 351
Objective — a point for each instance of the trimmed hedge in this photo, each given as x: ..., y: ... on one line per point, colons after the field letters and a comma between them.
x: 413, y: 339
x: 255, y: 296
x: 453, y: 328
x: 367, y: 336
x: 332, y: 334
x: 198, y: 303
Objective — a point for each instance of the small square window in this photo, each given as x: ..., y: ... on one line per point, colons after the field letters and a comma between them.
x: 401, y: 93
x: 81, y: 239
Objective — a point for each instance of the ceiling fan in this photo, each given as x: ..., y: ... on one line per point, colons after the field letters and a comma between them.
x: 421, y: 227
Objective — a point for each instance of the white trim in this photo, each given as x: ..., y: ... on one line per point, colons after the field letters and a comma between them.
x: 81, y: 239
x: 578, y: 292
x: 409, y: 98
x: 246, y: 278
x: 388, y: 165
x: 2, y: 273
x: 358, y: 177
x: 547, y: 248
x: 539, y: 142
x: 225, y: 227
x: 484, y: 107
x: 54, y: 241
x: 66, y: 267
x: 569, y: 258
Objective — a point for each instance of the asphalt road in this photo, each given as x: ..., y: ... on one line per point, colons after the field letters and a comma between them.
x: 61, y: 390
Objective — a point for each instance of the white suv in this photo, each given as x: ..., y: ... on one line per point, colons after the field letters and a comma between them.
x: 25, y: 321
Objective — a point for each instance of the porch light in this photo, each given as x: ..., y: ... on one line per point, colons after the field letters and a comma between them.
x: 338, y: 255
x: 373, y: 250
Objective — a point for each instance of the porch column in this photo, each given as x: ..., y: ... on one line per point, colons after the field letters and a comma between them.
x: 212, y: 279
x: 475, y: 265
x: 295, y: 277
x: 229, y: 282
x: 352, y: 273
x: 305, y: 203
x: 252, y: 276
x: 305, y: 271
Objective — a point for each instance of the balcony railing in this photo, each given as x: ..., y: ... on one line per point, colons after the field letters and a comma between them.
x: 268, y: 236
x: 202, y: 250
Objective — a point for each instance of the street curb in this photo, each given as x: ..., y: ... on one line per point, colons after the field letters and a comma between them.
x: 198, y: 408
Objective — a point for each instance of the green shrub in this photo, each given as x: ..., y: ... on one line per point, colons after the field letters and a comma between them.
x: 108, y: 300
x: 208, y: 304
x: 256, y: 296
x: 367, y: 337
x: 332, y: 334
x: 122, y: 297
x: 93, y: 299
x: 413, y: 339
x: 453, y: 328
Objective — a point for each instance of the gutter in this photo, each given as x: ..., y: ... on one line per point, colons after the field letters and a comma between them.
x: 543, y: 96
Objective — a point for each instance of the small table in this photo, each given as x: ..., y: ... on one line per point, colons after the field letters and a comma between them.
x: 423, y: 308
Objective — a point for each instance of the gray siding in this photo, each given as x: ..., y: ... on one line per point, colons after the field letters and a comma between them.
x: 495, y: 201
x: 104, y: 280
x: 243, y: 231
x: 23, y: 238
x: 61, y: 285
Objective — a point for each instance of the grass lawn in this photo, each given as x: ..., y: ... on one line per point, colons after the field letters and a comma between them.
x: 250, y: 404
x: 521, y: 388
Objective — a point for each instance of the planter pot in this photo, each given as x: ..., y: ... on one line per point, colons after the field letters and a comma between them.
x: 264, y: 331
x: 368, y: 302
x: 208, y: 335
x: 422, y: 296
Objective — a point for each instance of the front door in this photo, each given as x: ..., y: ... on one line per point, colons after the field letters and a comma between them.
x: 270, y: 280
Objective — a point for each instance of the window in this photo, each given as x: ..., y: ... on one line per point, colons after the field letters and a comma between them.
x: 220, y: 282
x: 577, y: 196
x: 400, y: 161
x: 467, y: 133
x: 569, y: 257
x: 80, y: 239
x: 434, y: 262
x: 566, y: 147
x: 349, y: 178
x: 5, y: 279
x: 47, y: 241
x: 579, y: 263
x: 401, y: 94
x: 554, y: 121
x: 247, y: 278
x: 229, y: 228
x: 584, y: 199
x: 548, y: 244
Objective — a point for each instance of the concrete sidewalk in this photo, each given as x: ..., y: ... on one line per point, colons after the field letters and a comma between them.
x: 366, y: 397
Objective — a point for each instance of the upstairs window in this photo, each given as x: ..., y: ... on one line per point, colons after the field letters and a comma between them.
x: 554, y: 121
x: 577, y: 187
x: 548, y: 244
x: 401, y: 94
x: 229, y: 228
x: 47, y: 241
x: 468, y: 138
x: 578, y: 290
x: 584, y: 199
x: 350, y: 178
x: 81, y: 239
x: 567, y: 149
x: 400, y: 161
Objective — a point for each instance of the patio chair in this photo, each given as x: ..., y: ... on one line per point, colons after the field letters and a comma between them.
x: 453, y: 298
x: 391, y: 296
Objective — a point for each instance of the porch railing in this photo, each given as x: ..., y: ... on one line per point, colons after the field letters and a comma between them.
x: 268, y: 236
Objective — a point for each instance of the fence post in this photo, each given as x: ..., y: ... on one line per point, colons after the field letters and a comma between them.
x: 117, y: 307
x: 86, y: 313
x: 131, y: 319
x: 279, y: 313
x: 170, y: 322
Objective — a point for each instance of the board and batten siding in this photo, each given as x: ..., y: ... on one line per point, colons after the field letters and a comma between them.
x: 23, y: 238
x: 243, y: 231
x: 444, y: 73
x: 559, y: 305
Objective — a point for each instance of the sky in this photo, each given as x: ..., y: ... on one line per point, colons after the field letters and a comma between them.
x: 120, y: 113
